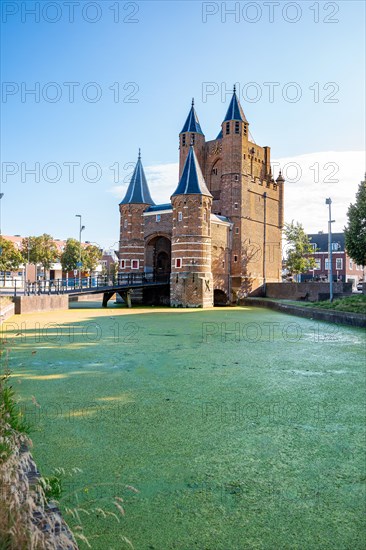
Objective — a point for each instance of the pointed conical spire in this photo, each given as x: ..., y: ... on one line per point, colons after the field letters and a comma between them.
x: 235, y: 111
x: 138, y: 190
x: 192, y: 123
x: 192, y: 181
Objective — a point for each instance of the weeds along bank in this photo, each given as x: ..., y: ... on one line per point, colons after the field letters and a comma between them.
x: 27, y: 519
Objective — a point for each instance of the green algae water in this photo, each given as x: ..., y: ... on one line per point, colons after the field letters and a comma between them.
x: 226, y: 429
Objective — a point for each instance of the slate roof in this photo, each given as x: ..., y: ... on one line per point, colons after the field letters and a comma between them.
x: 321, y: 240
x: 192, y: 123
x: 138, y: 190
x: 156, y: 207
x: 192, y: 181
x: 235, y: 111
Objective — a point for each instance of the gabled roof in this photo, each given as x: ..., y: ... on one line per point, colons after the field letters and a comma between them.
x: 138, y: 190
x: 192, y: 181
x: 192, y: 123
x: 235, y: 111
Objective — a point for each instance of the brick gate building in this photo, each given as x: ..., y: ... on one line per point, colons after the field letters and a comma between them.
x: 220, y: 235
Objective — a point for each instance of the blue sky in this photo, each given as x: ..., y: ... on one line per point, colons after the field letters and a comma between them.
x: 158, y: 55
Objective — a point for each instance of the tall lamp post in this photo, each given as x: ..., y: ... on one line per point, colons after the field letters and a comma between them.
x: 330, y: 263
x: 81, y: 228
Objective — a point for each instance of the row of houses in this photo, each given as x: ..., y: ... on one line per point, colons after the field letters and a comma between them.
x: 32, y: 273
x: 343, y: 267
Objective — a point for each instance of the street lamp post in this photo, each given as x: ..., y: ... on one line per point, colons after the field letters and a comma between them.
x: 81, y: 228
x: 328, y: 201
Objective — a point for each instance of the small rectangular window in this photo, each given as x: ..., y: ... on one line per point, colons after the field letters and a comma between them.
x: 237, y: 127
x: 178, y: 262
x: 122, y: 264
x: 235, y: 258
x: 318, y: 263
x: 326, y: 264
x: 236, y: 205
x: 228, y: 128
x: 180, y: 216
x: 236, y: 177
x: 335, y: 246
x: 158, y: 217
x: 339, y: 263
x: 237, y: 230
x: 193, y: 137
x: 135, y: 264
x: 183, y: 140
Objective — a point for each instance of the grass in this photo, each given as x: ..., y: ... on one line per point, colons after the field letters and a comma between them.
x: 353, y: 304
x: 214, y: 440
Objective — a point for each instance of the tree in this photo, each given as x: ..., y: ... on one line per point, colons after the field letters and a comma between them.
x: 10, y: 257
x: 299, y: 248
x: 40, y: 250
x: 91, y: 256
x: 71, y: 255
x: 355, y: 232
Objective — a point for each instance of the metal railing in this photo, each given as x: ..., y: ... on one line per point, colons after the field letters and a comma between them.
x: 85, y: 284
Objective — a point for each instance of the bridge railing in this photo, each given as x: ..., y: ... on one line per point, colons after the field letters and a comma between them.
x: 70, y: 285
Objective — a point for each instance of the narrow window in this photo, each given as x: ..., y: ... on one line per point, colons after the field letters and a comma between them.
x: 125, y: 224
x: 180, y: 216
x: 122, y: 264
x: 184, y: 140
x: 228, y: 128
x: 236, y: 177
x: 178, y: 262
x: 237, y: 230
x: 135, y: 264
x: 158, y: 217
x: 237, y: 127
x: 193, y: 138
x: 236, y: 205
x: 339, y: 263
x: 235, y: 258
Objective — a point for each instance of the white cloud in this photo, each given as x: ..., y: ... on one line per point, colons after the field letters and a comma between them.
x: 313, y: 177
x: 310, y: 179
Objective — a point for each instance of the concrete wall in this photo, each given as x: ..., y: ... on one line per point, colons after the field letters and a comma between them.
x: 6, y: 312
x: 31, y: 304
x: 298, y: 291
x: 331, y: 316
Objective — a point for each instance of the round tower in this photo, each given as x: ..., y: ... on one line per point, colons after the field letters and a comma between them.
x: 191, y: 282
x: 132, y: 207
x: 191, y: 133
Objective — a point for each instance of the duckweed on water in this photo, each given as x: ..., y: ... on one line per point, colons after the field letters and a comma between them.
x: 227, y: 429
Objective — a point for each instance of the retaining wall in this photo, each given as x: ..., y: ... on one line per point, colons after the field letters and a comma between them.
x: 309, y: 291
x: 32, y: 304
x: 338, y: 317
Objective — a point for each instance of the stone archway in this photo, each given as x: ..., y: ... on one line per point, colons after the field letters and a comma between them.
x: 158, y: 254
x: 220, y: 298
